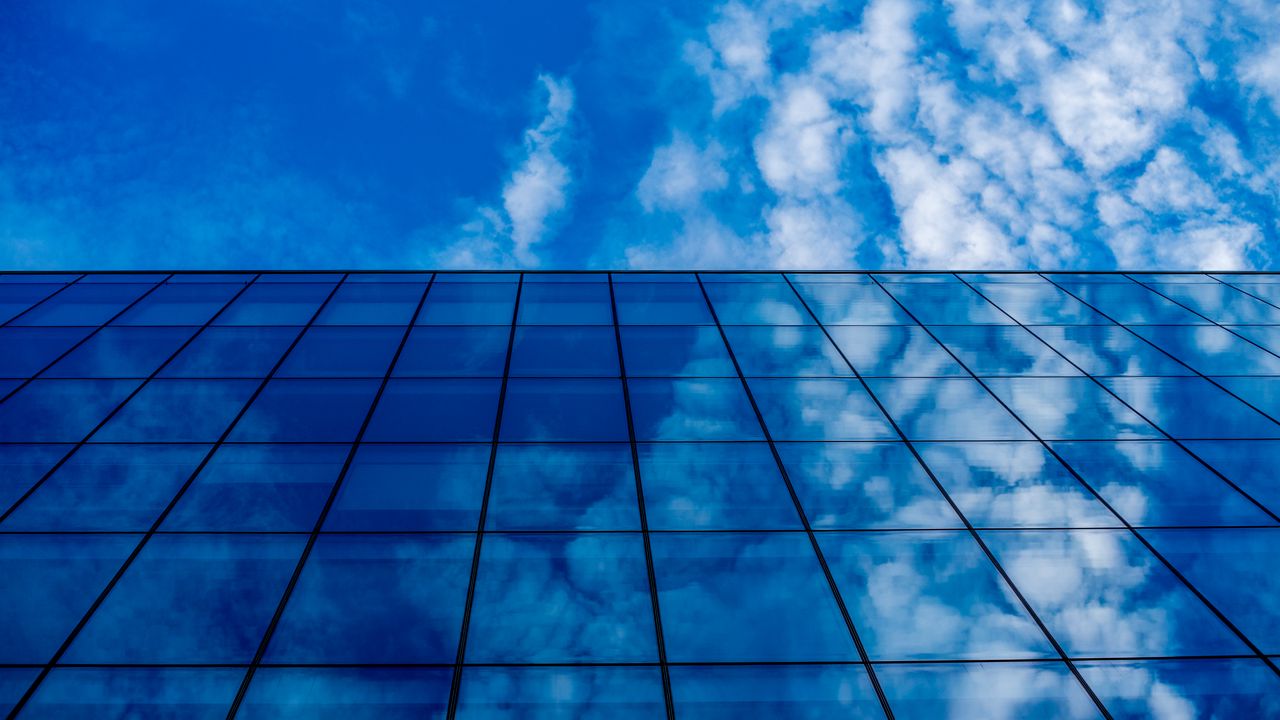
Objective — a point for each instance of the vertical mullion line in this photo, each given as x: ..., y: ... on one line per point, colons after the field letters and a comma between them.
x: 455, y: 686
x: 644, y: 518
x: 151, y: 531
x: 324, y: 512
x: 46, y: 299
x: 799, y: 507
x: 991, y: 556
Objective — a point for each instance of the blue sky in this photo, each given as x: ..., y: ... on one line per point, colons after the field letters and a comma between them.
x: 800, y: 134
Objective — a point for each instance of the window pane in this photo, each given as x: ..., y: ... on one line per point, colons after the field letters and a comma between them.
x: 1220, y: 303
x: 16, y: 298
x: 1070, y: 408
x: 564, y: 410
x: 343, y: 352
x: 1036, y: 303
x: 469, y: 304
x: 84, y: 305
x: 121, y: 352
x: 757, y: 303
x: 180, y: 304
x: 661, y: 303
x: 178, y: 411
x: 27, y: 350
x: 565, y: 351
x: 851, y: 304
x: 675, y: 352
x: 1211, y: 350
x: 563, y: 487
x: 785, y: 351
x: 435, y: 410
x: 1193, y: 408
x: 372, y: 304
x: 1129, y: 303
x: 1002, y: 350
x: 692, y: 410
x: 232, y: 352
x: 306, y: 411
x: 565, y: 304
x: 1045, y: 691
x: 621, y: 693
x: 60, y: 410
x: 1201, y: 688
x: 393, y: 488
x: 454, y: 352
x: 1250, y: 464
x: 773, y: 691
x: 894, y: 351
x: 347, y: 693
x: 696, y: 486
x: 142, y: 693
x: 1109, y: 350
x: 276, y: 304
x: 21, y: 466
x: 947, y: 304
x: 819, y: 410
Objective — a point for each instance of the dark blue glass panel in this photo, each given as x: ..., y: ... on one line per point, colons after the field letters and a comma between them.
x: 232, y: 352
x: 347, y: 694
x: 1158, y: 483
x: 1211, y: 350
x: 757, y: 303
x: 717, y: 590
x: 564, y: 410
x: 83, y: 304
x: 864, y: 485
x: 618, y: 693
x: 1013, y: 485
x: 661, y: 303
x: 377, y: 598
x: 276, y: 304
x: 435, y: 410
x: 22, y: 465
x: 108, y: 487
x: 563, y: 487
x: 1235, y: 569
x: 479, y: 303
x: 307, y: 411
x: 894, y: 351
x: 121, y: 352
x: 454, y: 352
x: 946, y: 409
x: 178, y: 411
x: 710, y: 486
x: 692, y: 351
x: 1128, y: 302
x: 192, y: 304
x: 710, y: 409
x: 392, y: 488
x: 1192, y: 407
x: 299, y: 277
x: 49, y: 583
x: 1040, y: 303
x: 947, y: 303
x: 356, y: 352
x: 13, y: 683
x: 1268, y: 336
x: 27, y: 350
x: 157, y: 693
x: 785, y: 351
x: 1109, y: 350
x: 191, y: 599
x: 1244, y: 688
x: 1250, y: 464
x: 1261, y: 392
x: 564, y: 351
x: 60, y: 410
x: 211, y: 277
x: 808, y: 692
x: 1220, y: 303
x: 1070, y: 408
x: 929, y: 596
x: 15, y: 298
x: 1002, y: 350
x: 1041, y: 690
x: 372, y: 304
x: 566, y: 304
x: 259, y: 488
x: 1102, y: 594
x: 562, y: 598
x: 849, y: 303
x: 119, y: 277
x: 819, y: 410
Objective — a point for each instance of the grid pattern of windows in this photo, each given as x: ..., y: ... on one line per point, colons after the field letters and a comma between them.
x: 630, y: 495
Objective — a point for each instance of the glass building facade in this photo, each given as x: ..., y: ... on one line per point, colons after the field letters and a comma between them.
x: 626, y: 495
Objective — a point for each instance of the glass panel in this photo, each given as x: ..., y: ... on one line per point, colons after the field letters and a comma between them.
x: 675, y: 352
x: 1211, y: 350
x: 178, y: 411
x: 1250, y: 464
x: 1262, y: 393
x: 27, y: 350
x: 904, y: 351
x: 454, y: 352
x: 1127, y: 302
x: 60, y: 410
x: 480, y: 303
x: 663, y: 303
x: 21, y: 466
x: 347, y: 693
x: 83, y: 304
x: 381, y: 303
x: 757, y: 303
x: 121, y: 352
x: 1002, y: 350
x: 435, y: 410
x: 947, y: 303
x: 1188, y: 688
x: 851, y: 304
x: 618, y: 693
x: 393, y: 488
x: 1070, y: 408
x: 773, y: 691
x: 785, y: 351
x: 696, y: 486
x: 564, y: 410
x: 342, y: 352
x: 819, y: 410
x: 563, y: 487
x: 564, y: 351
x: 276, y: 304
x: 232, y: 352
x: 946, y: 409
x: 1220, y: 303
x: 307, y: 411
x: 1109, y: 350
x: 16, y: 298
x: 180, y: 305
x: 1192, y: 408
x: 1045, y: 691
x: 566, y: 304
x: 711, y: 409
x: 135, y: 693
x: 1040, y: 303
x: 14, y: 681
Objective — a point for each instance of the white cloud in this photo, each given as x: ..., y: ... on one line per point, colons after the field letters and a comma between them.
x: 680, y: 174
x: 803, y: 143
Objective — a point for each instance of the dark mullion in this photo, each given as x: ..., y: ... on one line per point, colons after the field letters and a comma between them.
x: 1253, y: 295
x: 799, y: 508
x: 1197, y: 313
x: 744, y: 271
x: 456, y: 686
x: 644, y: 516
x: 43, y: 300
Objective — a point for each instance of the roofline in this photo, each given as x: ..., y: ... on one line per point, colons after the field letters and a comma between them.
x: 402, y: 271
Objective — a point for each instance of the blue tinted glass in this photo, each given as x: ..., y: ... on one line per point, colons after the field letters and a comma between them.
x: 1002, y: 350
x: 1102, y: 594
x: 1192, y: 688
x: 60, y: 410
x: 811, y: 692
x: 566, y: 304
x: 757, y: 303
x: 1250, y: 464
x: 121, y: 277
x: 696, y: 486
x: 1262, y: 393
x: 947, y: 304
x: 276, y: 304
x: 1268, y: 336
x: 481, y: 303
x: 711, y: 409
x: 259, y: 488
x: 135, y: 694
x: 1220, y: 303
x: 346, y: 694
x: 1070, y: 408
x: 894, y: 351
x: 618, y: 693
x: 716, y: 590
x: 180, y: 304
x: 306, y: 411
x: 17, y: 298
x: 121, y: 352
x: 1045, y: 691
x: 191, y: 599
x: 49, y: 583
x: 342, y: 352
x: 562, y: 598
x: 435, y: 410
x: 21, y: 466
x: 1040, y: 303
x: 1129, y: 303
x: 946, y: 409
x: 371, y: 598
x: 692, y: 351
x: 1158, y: 483
x: 819, y: 410
x: 454, y: 352
x: 564, y: 351
x: 231, y: 352
x: 108, y: 487
x: 564, y: 410
x: 1235, y: 569
x: 1211, y: 350
x: 1013, y: 485
x: 299, y: 277
x: 662, y: 303
x: 83, y: 305
x: 178, y: 411
x: 1109, y: 350
x: 1192, y: 408
x: 372, y: 304
x: 411, y: 487
x: 851, y: 304
x: 14, y: 682
x: 864, y: 485
x: 27, y: 350
x: 563, y: 487
x: 785, y: 351
x: 211, y: 277
x: 929, y: 596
